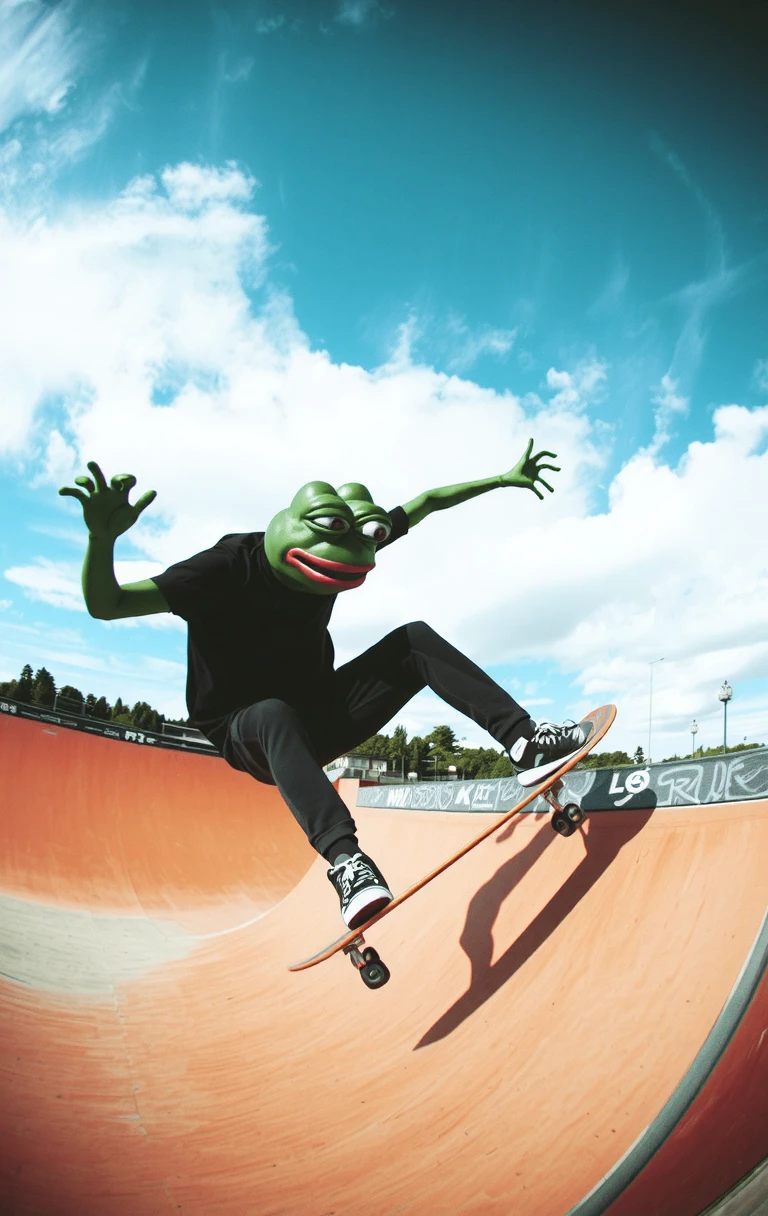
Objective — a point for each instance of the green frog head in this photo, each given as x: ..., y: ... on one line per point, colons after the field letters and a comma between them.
x: 326, y: 541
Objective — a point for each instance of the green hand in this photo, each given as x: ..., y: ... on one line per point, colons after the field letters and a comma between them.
x: 106, y: 508
x: 527, y: 471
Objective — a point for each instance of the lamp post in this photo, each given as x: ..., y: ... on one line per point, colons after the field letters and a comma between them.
x: 694, y: 732
x: 651, y: 665
x: 724, y: 695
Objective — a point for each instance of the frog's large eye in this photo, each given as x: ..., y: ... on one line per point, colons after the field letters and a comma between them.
x: 334, y: 523
x: 376, y: 530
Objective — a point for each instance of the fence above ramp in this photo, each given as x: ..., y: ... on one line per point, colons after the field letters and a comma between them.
x: 734, y: 777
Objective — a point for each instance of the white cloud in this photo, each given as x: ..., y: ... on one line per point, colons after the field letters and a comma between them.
x: 468, y: 345
x: 165, y: 290
x: 58, y: 583
x: 673, y: 568
x: 191, y: 187
x: 360, y: 12
x: 51, y: 121
x: 87, y: 660
x: 669, y: 403
x: 55, y: 583
x: 40, y: 55
x: 577, y: 389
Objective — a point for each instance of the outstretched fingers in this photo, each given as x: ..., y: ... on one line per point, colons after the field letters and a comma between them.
x: 145, y: 500
x: 68, y: 492
x: 101, y: 480
x: 86, y: 483
x: 124, y: 482
x: 540, y: 465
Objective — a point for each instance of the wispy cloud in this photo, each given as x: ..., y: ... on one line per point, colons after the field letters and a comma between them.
x: 268, y: 25
x: 574, y: 390
x: 448, y: 342
x: 720, y: 280
x: 361, y: 12
x: 55, y: 583
x: 41, y: 51
x: 50, y: 123
x: 760, y: 376
x: 669, y: 404
x: 614, y: 291
x: 238, y: 71
x: 468, y: 344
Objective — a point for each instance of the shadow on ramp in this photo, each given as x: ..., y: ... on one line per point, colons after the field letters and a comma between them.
x: 602, y: 849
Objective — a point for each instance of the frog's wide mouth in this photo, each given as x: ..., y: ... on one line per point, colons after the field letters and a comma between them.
x: 341, y: 575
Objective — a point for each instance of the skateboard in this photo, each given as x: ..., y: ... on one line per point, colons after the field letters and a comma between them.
x: 565, y: 820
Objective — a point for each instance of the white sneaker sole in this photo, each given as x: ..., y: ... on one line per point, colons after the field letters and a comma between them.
x: 365, y: 904
x: 535, y: 776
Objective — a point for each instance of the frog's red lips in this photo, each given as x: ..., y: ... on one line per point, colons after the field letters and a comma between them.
x: 341, y: 575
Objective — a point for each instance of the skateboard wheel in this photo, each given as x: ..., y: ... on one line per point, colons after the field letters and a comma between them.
x: 574, y: 812
x: 370, y: 955
x: 374, y: 975
x: 563, y: 824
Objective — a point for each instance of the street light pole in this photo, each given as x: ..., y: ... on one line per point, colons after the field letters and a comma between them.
x: 651, y: 665
x: 724, y: 695
x: 694, y: 732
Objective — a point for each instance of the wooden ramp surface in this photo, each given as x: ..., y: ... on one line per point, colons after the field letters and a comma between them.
x: 548, y: 997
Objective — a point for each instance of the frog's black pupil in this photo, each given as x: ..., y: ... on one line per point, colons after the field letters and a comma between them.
x: 380, y: 533
x: 338, y: 524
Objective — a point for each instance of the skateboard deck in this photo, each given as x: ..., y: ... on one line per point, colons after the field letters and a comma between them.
x: 564, y: 820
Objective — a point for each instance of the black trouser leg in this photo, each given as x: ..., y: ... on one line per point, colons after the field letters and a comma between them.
x: 373, y: 687
x: 271, y: 741
x: 280, y: 745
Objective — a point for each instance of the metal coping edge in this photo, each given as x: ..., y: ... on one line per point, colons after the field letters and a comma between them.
x: 648, y: 1143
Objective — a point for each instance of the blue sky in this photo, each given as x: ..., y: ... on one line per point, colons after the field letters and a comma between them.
x: 251, y: 244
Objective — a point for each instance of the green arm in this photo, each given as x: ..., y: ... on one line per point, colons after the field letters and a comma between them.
x: 108, y: 513
x: 525, y: 475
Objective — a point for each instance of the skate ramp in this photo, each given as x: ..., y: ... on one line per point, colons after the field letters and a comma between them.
x: 571, y: 1025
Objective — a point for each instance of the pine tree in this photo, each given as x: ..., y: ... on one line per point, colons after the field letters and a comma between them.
x: 144, y: 717
x: 43, y: 688
x: 417, y: 750
x: 443, y: 740
x: 70, y: 699
x: 24, y: 685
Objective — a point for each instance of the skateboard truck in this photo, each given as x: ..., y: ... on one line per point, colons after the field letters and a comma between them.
x: 566, y: 818
x: 373, y: 972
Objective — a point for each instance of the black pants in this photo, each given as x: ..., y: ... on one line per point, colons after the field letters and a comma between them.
x: 284, y: 745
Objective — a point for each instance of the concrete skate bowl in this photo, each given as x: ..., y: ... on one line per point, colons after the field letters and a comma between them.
x: 572, y: 1025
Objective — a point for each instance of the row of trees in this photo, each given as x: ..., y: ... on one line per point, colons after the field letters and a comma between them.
x: 432, y: 755
x: 429, y: 756
x: 39, y: 688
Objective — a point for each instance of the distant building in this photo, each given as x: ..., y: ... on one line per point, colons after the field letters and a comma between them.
x: 365, y: 768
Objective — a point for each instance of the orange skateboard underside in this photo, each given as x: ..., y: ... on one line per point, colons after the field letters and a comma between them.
x: 602, y: 719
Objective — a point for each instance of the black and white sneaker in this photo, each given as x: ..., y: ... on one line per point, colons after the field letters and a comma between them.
x: 361, y: 886
x: 551, y: 746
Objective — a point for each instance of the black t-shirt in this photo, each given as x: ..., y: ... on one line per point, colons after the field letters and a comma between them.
x: 249, y: 636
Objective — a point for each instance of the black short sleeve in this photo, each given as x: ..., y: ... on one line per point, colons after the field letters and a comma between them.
x: 198, y: 585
